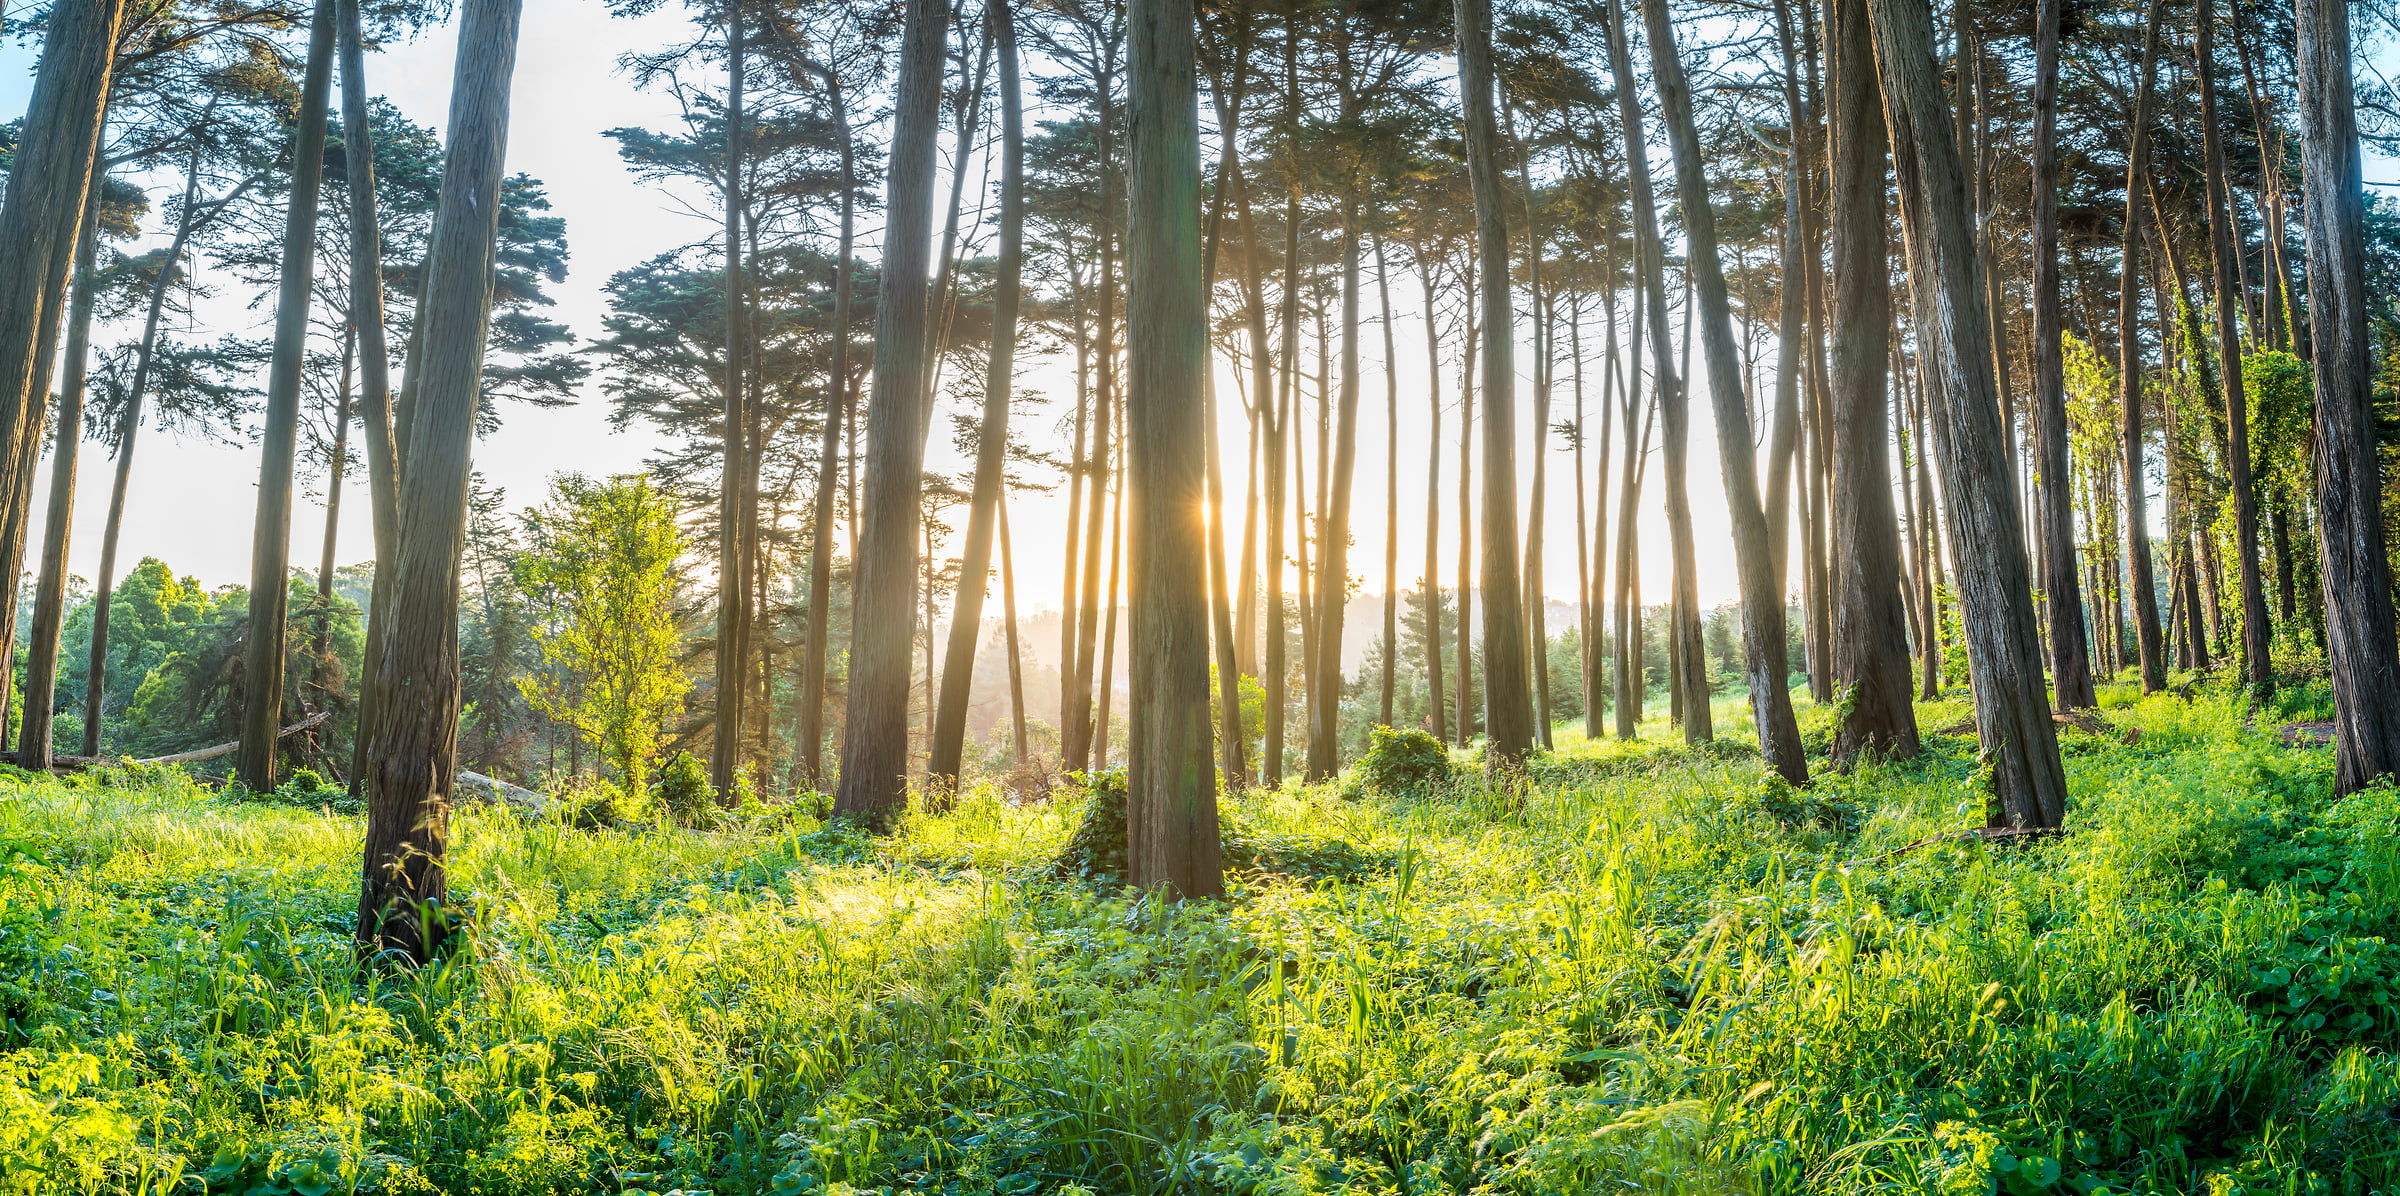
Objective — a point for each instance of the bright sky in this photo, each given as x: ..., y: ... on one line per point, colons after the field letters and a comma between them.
x: 191, y: 503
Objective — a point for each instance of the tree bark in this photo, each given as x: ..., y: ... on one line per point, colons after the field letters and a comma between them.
x: 2140, y: 575
x: 415, y: 757
x: 873, y: 785
x: 374, y: 357
x: 1333, y: 552
x: 811, y: 732
x: 50, y: 587
x: 1391, y: 495
x: 991, y: 442
x: 53, y: 172
x: 2062, y: 591
x: 1431, y: 585
x: 271, y: 538
x: 734, y: 516
x: 1764, y: 647
x: 2012, y: 712
x: 2350, y: 530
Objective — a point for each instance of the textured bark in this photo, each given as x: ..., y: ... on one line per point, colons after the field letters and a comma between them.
x: 2257, y: 659
x: 1430, y: 586
x: 873, y: 785
x: 2358, y: 604
x: 811, y: 733
x: 2141, y: 577
x: 416, y: 740
x: 50, y: 586
x: 1391, y: 495
x: 1632, y: 673
x: 1507, y: 686
x: 271, y: 537
x: 1688, y: 694
x: 40, y: 219
x: 991, y: 437
x: 1333, y: 553
x: 1767, y: 666
x: 2053, y: 486
x: 1172, y: 842
x: 2012, y: 714
x: 1869, y: 630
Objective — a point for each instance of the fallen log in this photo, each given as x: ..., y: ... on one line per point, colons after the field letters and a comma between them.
x: 226, y: 749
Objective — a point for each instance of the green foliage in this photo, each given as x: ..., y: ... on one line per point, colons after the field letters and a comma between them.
x: 603, y: 561
x: 1098, y: 850
x: 683, y: 791
x: 1407, y: 762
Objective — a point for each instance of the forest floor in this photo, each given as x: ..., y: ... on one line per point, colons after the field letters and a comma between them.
x: 1660, y: 972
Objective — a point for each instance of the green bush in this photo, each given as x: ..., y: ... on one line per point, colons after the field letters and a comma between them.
x: 1406, y: 762
x: 683, y: 792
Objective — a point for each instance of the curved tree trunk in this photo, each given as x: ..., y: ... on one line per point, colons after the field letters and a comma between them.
x: 271, y: 536
x: 374, y: 356
x: 50, y: 589
x: 991, y: 444
x: 2358, y: 584
x: 873, y: 786
x: 1765, y: 650
x: 415, y: 754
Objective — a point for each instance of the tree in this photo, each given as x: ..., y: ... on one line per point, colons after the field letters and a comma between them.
x: 271, y: 535
x: 412, y: 756
x: 2012, y: 710
x: 2054, y: 495
x: 2358, y: 606
x: 607, y: 550
x: 2139, y: 573
x: 1171, y: 786
x: 1507, y: 681
x: 875, y: 732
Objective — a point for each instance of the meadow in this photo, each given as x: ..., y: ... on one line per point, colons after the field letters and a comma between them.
x: 1652, y: 970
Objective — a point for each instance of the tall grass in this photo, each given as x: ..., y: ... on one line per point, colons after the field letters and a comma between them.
x: 1658, y: 970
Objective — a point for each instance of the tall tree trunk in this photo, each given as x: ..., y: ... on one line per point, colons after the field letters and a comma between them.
x: 1463, y: 635
x: 405, y: 880
x: 2012, y: 713
x: 991, y: 439
x: 2129, y: 372
x: 374, y: 361
x: 829, y: 451
x: 1171, y: 789
x: 1632, y: 672
x: 1689, y: 693
x: 50, y: 587
x: 873, y: 785
x: 321, y: 647
x: 58, y: 145
x: 1431, y: 584
x: 2070, y: 658
x: 1540, y: 306
x: 1870, y: 619
x: 1008, y: 623
x: 734, y: 516
x: 1333, y: 552
x: 2257, y: 659
x: 2358, y: 605
x: 271, y: 539
x: 1391, y: 494
x: 1764, y: 646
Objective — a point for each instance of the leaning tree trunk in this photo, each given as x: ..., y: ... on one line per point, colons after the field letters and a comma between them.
x: 374, y: 357
x: 415, y: 757
x: 2012, y: 709
x: 2054, y: 488
x: 2140, y: 576
x: 1690, y: 687
x: 50, y: 589
x: 2257, y: 660
x: 873, y: 785
x: 1765, y: 650
x: 58, y: 142
x: 1507, y: 685
x: 991, y: 438
x: 2358, y: 605
x: 811, y: 733
x: 1171, y: 786
x: 271, y: 536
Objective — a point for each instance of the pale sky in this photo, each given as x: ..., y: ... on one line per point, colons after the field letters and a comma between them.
x: 192, y: 503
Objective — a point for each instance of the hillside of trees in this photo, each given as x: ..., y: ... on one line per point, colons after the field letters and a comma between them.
x: 1995, y: 792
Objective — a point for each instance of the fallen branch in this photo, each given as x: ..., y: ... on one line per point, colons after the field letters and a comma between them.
x: 225, y: 749
x: 1980, y: 832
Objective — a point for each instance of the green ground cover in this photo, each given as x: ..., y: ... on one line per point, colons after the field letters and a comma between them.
x: 1659, y: 971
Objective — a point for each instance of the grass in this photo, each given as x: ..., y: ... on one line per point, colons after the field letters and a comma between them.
x: 1660, y: 972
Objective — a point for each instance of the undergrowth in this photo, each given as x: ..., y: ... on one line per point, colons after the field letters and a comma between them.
x: 1657, y: 970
